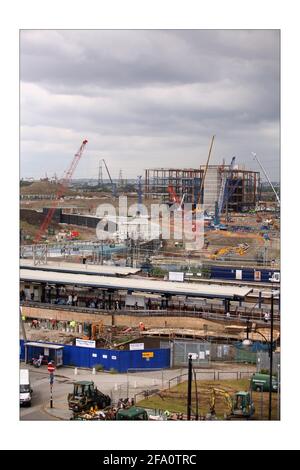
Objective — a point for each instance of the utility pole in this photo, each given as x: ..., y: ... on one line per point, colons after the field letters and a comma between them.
x: 100, y: 175
x: 22, y: 326
x: 120, y: 179
x: 139, y: 188
x: 189, y: 397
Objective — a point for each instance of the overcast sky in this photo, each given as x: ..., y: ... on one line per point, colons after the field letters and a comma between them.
x: 147, y: 99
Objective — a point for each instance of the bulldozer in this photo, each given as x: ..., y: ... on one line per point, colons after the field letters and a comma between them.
x: 85, y: 396
x: 240, y: 405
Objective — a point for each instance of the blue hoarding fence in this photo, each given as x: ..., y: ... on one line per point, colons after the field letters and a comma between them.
x: 245, y: 274
x: 121, y: 361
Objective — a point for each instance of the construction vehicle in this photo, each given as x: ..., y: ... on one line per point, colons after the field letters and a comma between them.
x: 60, y: 193
x: 73, y: 235
x: 261, y: 382
x: 240, y: 405
x: 97, y: 330
x: 133, y: 413
x: 85, y: 396
x: 25, y: 388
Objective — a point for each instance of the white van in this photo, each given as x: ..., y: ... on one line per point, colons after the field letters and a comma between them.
x: 25, y: 389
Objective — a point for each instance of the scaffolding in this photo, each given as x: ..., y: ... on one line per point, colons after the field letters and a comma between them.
x: 241, y: 186
x: 185, y: 181
x: 242, y: 190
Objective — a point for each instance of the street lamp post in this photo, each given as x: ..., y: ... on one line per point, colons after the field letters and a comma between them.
x: 271, y: 358
x: 189, y: 397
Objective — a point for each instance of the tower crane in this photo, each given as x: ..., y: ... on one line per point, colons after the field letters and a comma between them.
x: 64, y: 182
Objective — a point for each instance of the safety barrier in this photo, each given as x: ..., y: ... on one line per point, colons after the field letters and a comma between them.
x: 109, y: 359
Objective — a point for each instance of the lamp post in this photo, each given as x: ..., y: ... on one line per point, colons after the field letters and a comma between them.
x: 247, y: 342
x: 189, y: 397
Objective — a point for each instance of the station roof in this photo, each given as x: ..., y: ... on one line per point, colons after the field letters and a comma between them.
x: 78, y: 268
x: 135, y: 284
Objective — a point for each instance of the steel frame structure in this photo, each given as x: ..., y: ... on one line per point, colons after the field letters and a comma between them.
x: 242, y: 185
x: 183, y: 181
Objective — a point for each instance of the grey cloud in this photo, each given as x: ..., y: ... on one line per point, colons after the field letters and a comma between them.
x: 148, y: 96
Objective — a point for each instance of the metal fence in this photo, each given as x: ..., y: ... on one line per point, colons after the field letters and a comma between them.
x: 205, y: 353
x: 138, y: 384
x: 182, y: 349
x: 263, y: 361
x: 241, y: 316
x: 215, y: 375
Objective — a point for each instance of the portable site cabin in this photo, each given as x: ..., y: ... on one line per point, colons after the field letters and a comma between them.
x: 50, y: 352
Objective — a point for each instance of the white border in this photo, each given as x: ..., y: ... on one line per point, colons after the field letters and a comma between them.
x: 154, y: 14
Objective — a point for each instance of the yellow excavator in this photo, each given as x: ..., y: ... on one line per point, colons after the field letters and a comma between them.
x: 240, y: 405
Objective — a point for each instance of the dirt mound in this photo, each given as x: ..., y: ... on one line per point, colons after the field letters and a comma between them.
x: 44, y: 187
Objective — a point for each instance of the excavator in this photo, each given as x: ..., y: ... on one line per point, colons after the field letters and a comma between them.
x: 240, y: 404
x: 96, y: 331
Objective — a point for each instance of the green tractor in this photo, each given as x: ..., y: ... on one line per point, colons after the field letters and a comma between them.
x: 133, y: 413
x: 85, y: 396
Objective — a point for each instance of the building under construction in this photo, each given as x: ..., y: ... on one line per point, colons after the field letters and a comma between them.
x: 232, y: 187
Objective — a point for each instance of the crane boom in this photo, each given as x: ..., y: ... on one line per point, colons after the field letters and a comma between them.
x: 265, y: 173
x: 63, y: 185
x: 206, y: 167
x: 113, y: 185
x: 222, y: 393
x: 107, y: 171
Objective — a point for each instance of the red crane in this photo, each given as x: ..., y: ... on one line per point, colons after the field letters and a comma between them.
x: 63, y: 185
x: 173, y: 195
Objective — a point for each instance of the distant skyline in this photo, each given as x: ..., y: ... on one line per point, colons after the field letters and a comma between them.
x: 150, y: 98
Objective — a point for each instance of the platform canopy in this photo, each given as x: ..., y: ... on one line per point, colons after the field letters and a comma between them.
x: 77, y: 268
x: 136, y: 284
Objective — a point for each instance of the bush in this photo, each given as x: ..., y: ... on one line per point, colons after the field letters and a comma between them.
x: 112, y: 370
x: 158, y: 272
x: 99, y: 367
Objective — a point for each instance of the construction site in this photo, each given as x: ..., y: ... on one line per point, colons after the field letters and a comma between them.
x: 136, y: 300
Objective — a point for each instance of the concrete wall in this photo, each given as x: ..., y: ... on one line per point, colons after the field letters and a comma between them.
x: 211, y: 188
x: 119, y: 320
